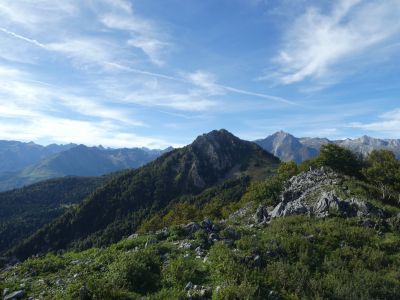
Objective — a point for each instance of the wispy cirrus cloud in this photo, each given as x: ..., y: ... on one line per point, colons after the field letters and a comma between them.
x: 319, y: 44
x: 209, y: 83
x: 144, y: 34
x: 47, y: 19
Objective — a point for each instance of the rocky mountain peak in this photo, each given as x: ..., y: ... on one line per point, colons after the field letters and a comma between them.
x: 215, y: 136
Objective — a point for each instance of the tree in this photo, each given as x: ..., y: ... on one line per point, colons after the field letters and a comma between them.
x: 286, y: 170
x: 340, y: 159
x: 383, y: 169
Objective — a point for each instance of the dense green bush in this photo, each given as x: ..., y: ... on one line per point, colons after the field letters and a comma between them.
x: 339, y: 159
x: 138, y: 272
x: 179, y: 271
x: 383, y: 170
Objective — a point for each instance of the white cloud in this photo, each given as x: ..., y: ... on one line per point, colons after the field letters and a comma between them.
x: 317, y: 43
x: 34, y: 14
x: 207, y: 81
x: 54, y: 25
x: 86, y: 51
x: 151, y: 47
x: 33, y: 98
x: 123, y: 5
x: 388, y: 124
x: 187, y: 101
x: 145, y: 35
x: 126, y: 22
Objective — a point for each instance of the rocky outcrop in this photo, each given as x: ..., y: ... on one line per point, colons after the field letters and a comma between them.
x: 318, y: 193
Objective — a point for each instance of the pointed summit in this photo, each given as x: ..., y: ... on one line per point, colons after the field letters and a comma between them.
x: 287, y: 147
x: 221, y: 135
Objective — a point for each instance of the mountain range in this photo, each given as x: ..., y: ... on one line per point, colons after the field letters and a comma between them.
x: 15, y: 156
x: 22, y: 164
x: 117, y: 208
x: 288, y: 147
x: 27, y: 163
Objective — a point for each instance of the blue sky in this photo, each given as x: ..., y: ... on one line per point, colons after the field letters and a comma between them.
x: 157, y: 73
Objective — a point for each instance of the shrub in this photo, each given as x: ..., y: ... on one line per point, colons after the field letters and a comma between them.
x: 178, y: 272
x: 137, y: 272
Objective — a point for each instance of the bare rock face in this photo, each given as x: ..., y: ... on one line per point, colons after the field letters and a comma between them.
x: 316, y: 193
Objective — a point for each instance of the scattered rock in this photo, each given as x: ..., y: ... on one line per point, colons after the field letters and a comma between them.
x: 6, y: 291
x: 261, y: 215
x: 213, y: 237
x: 198, y: 292
x: 257, y: 261
x: 215, y: 228
x: 60, y: 282
x: 15, y: 295
x: 162, y: 234
x: 150, y: 242
x: 192, y: 227
x: 310, y: 238
x: 206, y: 224
x: 186, y: 245
x: 189, y: 286
x: 133, y: 236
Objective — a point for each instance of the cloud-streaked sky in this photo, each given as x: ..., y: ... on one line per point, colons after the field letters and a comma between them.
x: 157, y: 73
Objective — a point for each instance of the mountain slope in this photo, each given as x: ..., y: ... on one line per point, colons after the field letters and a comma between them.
x: 327, y: 238
x: 15, y: 156
x: 117, y: 208
x: 287, y: 147
x: 23, y: 211
x: 79, y: 161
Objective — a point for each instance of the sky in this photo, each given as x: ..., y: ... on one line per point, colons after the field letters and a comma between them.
x: 154, y: 73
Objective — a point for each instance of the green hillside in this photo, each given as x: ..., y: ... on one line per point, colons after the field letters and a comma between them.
x: 25, y: 210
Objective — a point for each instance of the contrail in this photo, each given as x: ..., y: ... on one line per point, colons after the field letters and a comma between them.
x: 224, y: 87
x: 34, y: 42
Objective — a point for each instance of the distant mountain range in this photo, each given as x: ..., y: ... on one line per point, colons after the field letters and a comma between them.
x: 15, y: 156
x: 287, y: 147
x: 22, y: 164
